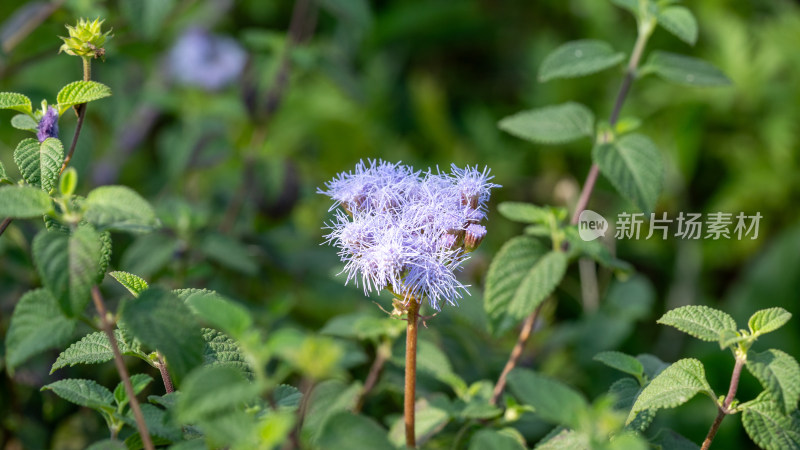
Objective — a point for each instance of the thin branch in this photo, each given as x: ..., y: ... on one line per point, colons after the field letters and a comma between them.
x: 382, y: 354
x: 162, y: 367
x: 724, y: 409
x: 81, y: 110
x: 107, y: 325
x: 411, y: 373
x: 4, y: 224
x: 524, y: 334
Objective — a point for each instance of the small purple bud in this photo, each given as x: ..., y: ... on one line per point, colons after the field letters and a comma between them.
x: 474, y: 236
x: 48, y: 126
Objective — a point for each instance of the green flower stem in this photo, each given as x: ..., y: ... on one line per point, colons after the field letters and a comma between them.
x: 382, y: 354
x: 81, y: 110
x: 524, y: 334
x: 107, y: 325
x: 724, y: 409
x: 411, y: 371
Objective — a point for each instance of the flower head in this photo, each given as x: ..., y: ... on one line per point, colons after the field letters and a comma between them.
x: 85, y: 39
x: 48, y: 125
x: 202, y: 59
x: 404, y: 230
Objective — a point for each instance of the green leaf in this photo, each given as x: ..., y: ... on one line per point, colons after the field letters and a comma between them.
x: 432, y: 415
x: 220, y: 350
x: 362, y: 326
x: 23, y: 202
x: 679, y: 21
x: 622, y: 362
x: 524, y: 212
x: 286, y: 396
x: 669, y: 440
x: 38, y: 162
x: 84, y: 393
x: 579, y: 58
x: 213, y: 390
x: 107, y: 444
x: 37, y: 324
x: 630, y: 5
x: 563, y: 439
x: 676, y: 385
x: 217, y: 310
x: 162, y: 322
x: 507, y: 270
x: 768, y: 320
x: 702, y: 322
x: 229, y: 253
x: 779, y: 373
x: 341, y: 428
x: 133, y: 283
x: 79, y: 92
x: 626, y: 391
x: 17, y: 102
x: 633, y: 165
x: 540, y: 281
x: 25, y: 122
x: 139, y: 381
x: 505, y: 439
x: 768, y: 428
x: 69, y: 265
x: 551, y: 400
x: 684, y: 70
x: 119, y: 208
x: 652, y: 365
x: 159, y: 423
x: 94, y: 348
x: 434, y: 361
x: 551, y: 124
x: 326, y: 399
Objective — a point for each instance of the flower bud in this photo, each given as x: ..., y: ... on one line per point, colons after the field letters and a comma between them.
x: 85, y: 39
x: 474, y: 236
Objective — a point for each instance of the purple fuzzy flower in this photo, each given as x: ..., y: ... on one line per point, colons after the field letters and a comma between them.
x: 48, y: 125
x: 202, y: 59
x: 407, y: 231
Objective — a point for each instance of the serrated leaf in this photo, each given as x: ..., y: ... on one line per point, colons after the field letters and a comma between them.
x: 94, y: 348
x: 679, y: 21
x: 286, y: 396
x: 39, y: 162
x: 17, y: 102
x: 622, y: 362
x: 107, y: 444
x: 779, y: 373
x: 626, y: 391
x: 83, y: 392
x: 506, y: 272
x: 133, y: 283
x: 24, y: 122
x: 684, y: 70
x: 119, y: 208
x: 563, y: 439
x: 579, y: 58
x: 158, y: 422
x: 699, y: 321
x: 524, y: 212
x: 79, y: 92
x: 728, y: 338
x: 552, y: 124
x: 540, y: 281
x: 23, y: 202
x: 339, y: 431
x: 551, y: 400
x: 768, y: 428
x: 505, y: 439
x: 217, y: 310
x: 676, y: 385
x: 69, y: 265
x: 220, y: 350
x: 326, y: 399
x: 162, y: 322
x: 139, y: 381
x: 633, y: 165
x: 37, y: 324
x: 768, y: 320
x: 212, y: 390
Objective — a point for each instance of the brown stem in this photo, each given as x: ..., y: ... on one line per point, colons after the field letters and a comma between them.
x: 106, y: 324
x: 4, y: 224
x: 724, y: 409
x: 382, y: 355
x: 411, y: 372
x: 81, y: 110
x: 524, y: 334
x: 162, y: 367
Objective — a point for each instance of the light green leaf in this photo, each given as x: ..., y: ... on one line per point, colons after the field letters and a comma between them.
x: 139, y: 381
x: 524, y: 212
x: 432, y: 414
x: 23, y: 202
x: 17, y: 102
x: 37, y: 324
x: 633, y: 165
x: 24, y: 122
x: 679, y: 21
x: 684, y: 70
x: 84, y: 393
x: 79, y: 92
x: 434, y: 361
x: 38, y: 162
x: 94, y: 348
x: 767, y: 427
x: 768, y: 320
x: 514, y: 260
x: 213, y: 390
x: 702, y: 322
x: 220, y: 350
x: 133, y: 283
x: 162, y: 322
x: 622, y: 362
x: 119, y: 208
x: 779, y: 373
x: 342, y: 428
x: 362, y: 326
x: 505, y: 439
x: 552, y: 124
x: 217, y: 310
x: 540, y: 281
x: 579, y: 58
x: 551, y: 400
x: 69, y: 265
x: 676, y: 385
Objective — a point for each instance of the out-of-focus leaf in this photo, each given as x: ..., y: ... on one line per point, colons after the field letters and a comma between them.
x: 552, y: 124
x: 36, y: 311
x: 579, y: 58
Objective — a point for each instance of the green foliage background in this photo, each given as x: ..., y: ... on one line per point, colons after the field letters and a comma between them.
x: 425, y: 83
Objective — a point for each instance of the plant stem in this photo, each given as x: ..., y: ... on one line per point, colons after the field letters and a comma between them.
x: 411, y: 371
x: 524, y: 334
x: 162, y: 367
x: 724, y: 409
x: 107, y: 325
x: 81, y: 110
x: 4, y: 224
x: 382, y: 354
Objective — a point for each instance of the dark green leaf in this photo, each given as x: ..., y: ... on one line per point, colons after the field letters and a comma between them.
x: 676, y: 385
x: 622, y: 362
x: 540, y: 281
x: 505, y: 439
x: 139, y: 381
x: 779, y: 373
x: 84, y: 393
x: 339, y: 432
x: 679, y: 21
x: 119, y: 208
x: 551, y: 400
x: 579, y: 58
x: 633, y: 165
x: 768, y: 427
x: 684, y: 70
x: 213, y: 390
x: 217, y: 310
x: 219, y: 349
x: 94, y: 348
x: 551, y: 124
x: 37, y: 324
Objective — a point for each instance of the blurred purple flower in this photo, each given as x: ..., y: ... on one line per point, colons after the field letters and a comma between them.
x: 404, y: 230
x: 48, y: 125
x: 202, y: 59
